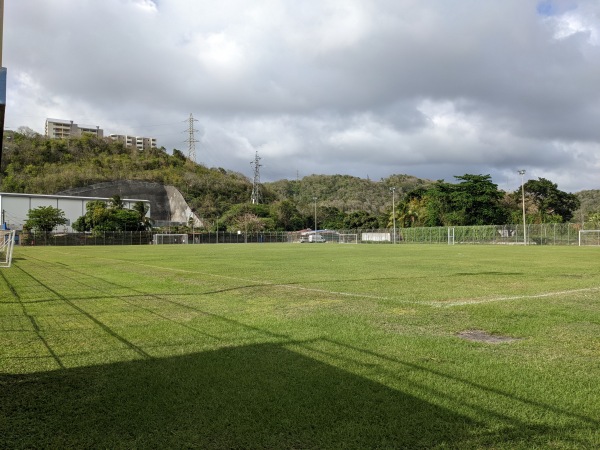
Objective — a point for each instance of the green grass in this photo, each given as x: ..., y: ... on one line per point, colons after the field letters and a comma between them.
x: 300, y: 346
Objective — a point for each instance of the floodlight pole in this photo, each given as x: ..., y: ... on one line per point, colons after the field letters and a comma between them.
x: 315, y: 200
x: 522, y: 173
x: 2, y: 83
x: 393, y: 189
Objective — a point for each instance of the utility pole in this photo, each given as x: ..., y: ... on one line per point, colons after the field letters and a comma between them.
x: 191, y: 140
x: 256, y: 180
x: 2, y: 84
x: 393, y: 189
x: 522, y: 173
x: 315, y: 200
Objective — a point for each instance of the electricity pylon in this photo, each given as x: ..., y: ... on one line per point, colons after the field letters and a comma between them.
x: 256, y: 181
x: 191, y: 140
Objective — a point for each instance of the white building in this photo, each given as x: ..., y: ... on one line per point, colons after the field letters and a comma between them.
x: 139, y: 142
x: 15, y: 207
x: 60, y: 129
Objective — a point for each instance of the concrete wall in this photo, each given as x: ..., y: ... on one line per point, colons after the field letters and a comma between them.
x: 166, y: 202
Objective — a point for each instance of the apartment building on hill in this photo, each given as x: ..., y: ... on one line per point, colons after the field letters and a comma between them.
x: 61, y: 129
x: 139, y: 142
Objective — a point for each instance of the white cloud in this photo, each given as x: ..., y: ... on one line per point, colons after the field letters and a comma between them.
x: 145, y: 5
x: 577, y: 21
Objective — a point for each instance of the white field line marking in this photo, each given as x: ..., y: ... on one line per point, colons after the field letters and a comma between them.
x: 287, y: 286
x: 516, y: 297
x: 439, y: 304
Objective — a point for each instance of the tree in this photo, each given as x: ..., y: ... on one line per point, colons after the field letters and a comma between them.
x: 408, y: 212
x: 361, y: 220
x: 101, y: 217
x: 594, y: 220
x: 116, y: 202
x: 478, y: 200
x: 286, y: 216
x: 45, y: 219
x: 126, y: 220
x: 552, y: 204
x: 248, y: 223
x: 142, y: 208
x: 178, y: 155
x: 473, y: 201
x: 327, y: 216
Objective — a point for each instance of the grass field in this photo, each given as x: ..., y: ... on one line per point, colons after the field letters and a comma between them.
x: 300, y: 346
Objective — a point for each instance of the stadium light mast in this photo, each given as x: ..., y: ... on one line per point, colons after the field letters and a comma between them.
x: 315, y: 200
x: 522, y: 173
x: 393, y: 189
x: 2, y: 83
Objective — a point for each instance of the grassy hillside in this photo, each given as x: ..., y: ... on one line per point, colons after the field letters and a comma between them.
x: 345, y: 192
x: 590, y: 203
x: 33, y: 163
x: 45, y: 166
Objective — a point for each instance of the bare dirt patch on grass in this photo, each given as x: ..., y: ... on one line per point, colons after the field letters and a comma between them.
x: 484, y: 336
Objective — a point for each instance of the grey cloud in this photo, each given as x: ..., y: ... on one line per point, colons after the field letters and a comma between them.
x: 433, y: 89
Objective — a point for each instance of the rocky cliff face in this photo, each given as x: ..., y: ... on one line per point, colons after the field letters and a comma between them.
x: 166, y: 202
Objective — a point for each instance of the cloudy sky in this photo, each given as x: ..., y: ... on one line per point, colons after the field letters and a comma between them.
x: 368, y: 88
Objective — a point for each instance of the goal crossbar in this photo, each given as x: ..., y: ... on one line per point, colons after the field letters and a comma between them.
x: 589, y: 237
x: 348, y: 239
x: 170, y: 239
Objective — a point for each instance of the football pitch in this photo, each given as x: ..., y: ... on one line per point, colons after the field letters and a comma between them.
x: 300, y: 346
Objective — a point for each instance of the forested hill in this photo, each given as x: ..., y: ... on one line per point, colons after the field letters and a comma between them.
x: 35, y: 164
x: 345, y: 192
x: 590, y: 202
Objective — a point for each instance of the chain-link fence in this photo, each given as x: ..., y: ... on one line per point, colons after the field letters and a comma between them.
x: 535, y: 234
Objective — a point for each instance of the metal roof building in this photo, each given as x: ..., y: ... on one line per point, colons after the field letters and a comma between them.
x: 15, y: 207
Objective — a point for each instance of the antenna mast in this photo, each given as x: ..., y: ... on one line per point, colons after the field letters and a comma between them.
x: 256, y: 181
x: 191, y: 140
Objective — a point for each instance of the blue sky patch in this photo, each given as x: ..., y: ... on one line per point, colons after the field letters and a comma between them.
x: 546, y: 8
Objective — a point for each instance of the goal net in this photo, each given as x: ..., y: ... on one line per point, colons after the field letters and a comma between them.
x: 170, y: 239
x: 348, y: 239
x: 589, y: 237
x: 7, y: 243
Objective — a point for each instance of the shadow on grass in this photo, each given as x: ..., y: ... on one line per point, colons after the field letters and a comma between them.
x: 260, y: 396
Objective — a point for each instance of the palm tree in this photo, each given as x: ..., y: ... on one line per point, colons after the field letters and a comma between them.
x: 142, y: 208
x: 116, y: 202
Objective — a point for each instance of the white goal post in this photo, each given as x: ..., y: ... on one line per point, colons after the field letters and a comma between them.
x: 589, y: 237
x: 7, y: 243
x: 170, y: 239
x: 450, y: 235
x: 348, y: 239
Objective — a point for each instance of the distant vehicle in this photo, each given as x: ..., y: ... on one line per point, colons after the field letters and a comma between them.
x: 313, y: 238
